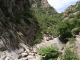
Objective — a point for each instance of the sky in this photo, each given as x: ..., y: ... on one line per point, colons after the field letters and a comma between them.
x: 61, y: 5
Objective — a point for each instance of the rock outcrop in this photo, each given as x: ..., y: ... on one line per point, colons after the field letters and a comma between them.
x: 71, y: 11
x: 39, y: 3
x: 17, y: 23
x: 42, y: 5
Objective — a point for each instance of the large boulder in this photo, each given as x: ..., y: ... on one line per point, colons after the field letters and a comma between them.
x: 55, y: 42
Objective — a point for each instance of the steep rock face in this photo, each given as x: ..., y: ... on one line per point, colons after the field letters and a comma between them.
x: 71, y: 11
x: 39, y: 3
x: 17, y: 23
x: 42, y: 5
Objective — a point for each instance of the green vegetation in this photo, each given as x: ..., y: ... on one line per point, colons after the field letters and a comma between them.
x: 72, y: 40
x: 17, y: 15
x: 67, y: 29
x: 78, y: 8
x: 47, y: 22
x: 37, y: 38
x: 71, y: 16
x: 49, y: 53
x: 52, y: 24
x: 69, y: 55
x: 64, y: 30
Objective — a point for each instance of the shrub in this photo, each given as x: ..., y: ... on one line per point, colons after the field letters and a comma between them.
x: 78, y: 15
x: 67, y: 29
x: 38, y: 38
x: 75, y: 31
x: 64, y: 29
x: 50, y: 53
x: 71, y: 16
x: 70, y: 55
x: 72, y: 40
x: 78, y: 8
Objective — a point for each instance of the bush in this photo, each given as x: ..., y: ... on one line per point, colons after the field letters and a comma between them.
x: 72, y: 40
x: 47, y: 22
x: 38, y: 38
x: 70, y: 55
x: 75, y: 31
x: 64, y: 29
x: 67, y: 29
x: 78, y: 8
x: 50, y: 53
x: 71, y: 16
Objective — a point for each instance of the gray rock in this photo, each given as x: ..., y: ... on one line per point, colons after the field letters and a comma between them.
x: 54, y: 42
x: 24, y: 54
x: 32, y: 53
x: 8, y: 58
x: 58, y: 58
x: 25, y: 47
x: 30, y: 57
x: 19, y: 51
x: 2, y: 47
x: 37, y: 57
x: 23, y: 58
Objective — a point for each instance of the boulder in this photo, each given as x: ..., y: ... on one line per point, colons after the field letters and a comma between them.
x: 8, y: 58
x: 19, y: 51
x: 23, y: 58
x: 30, y: 57
x: 54, y: 42
x: 2, y: 47
x: 24, y: 54
x: 25, y: 47
x: 37, y: 57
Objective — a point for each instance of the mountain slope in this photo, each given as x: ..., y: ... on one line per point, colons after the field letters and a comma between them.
x: 71, y: 11
x: 17, y: 23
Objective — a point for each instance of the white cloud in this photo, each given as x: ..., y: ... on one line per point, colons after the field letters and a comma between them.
x: 58, y: 4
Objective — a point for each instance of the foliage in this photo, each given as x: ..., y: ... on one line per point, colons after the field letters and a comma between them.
x: 67, y: 29
x: 71, y: 16
x: 78, y: 15
x: 52, y: 24
x: 72, y: 40
x: 75, y: 31
x: 78, y: 8
x: 38, y: 38
x: 70, y: 55
x: 47, y: 22
x: 64, y: 29
x: 70, y: 11
x: 50, y: 53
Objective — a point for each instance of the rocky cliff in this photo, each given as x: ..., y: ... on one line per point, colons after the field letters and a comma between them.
x: 17, y: 23
x: 42, y: 5
x: 71, y: 11
x: 39, y: 3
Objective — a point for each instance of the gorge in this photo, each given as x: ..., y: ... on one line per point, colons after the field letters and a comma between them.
x: 29, y: 25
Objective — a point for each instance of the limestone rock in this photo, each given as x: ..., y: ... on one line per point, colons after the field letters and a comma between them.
x: 54, y: 42
x: 30, y: 57
x: 8, y: 58
x: 25, y: 47
x: 38, y: 57
x: 24, y: 54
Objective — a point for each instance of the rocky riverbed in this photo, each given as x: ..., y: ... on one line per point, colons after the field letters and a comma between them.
x: 28, y: 53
